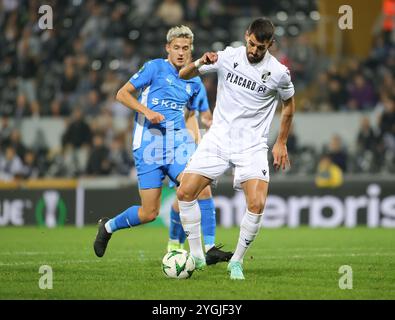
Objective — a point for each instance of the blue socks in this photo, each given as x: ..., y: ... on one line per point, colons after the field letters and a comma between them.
x: 175, y: 228
x: 208, y: 222
x: 128, y: 218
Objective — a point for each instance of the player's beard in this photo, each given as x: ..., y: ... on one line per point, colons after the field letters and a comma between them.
x: 254, y: 59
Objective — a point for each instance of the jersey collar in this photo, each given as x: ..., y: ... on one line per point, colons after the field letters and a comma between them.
x: 173, y: 68
x: 260, y: 63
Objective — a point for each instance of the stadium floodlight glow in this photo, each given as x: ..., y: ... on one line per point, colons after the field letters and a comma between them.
x: 114, y: 64
x: 134, y: 34
x: 282, y: 16
x: 96, y: 65
x: 293, y: 30
x: 315, y: 15
x: 279, y: 31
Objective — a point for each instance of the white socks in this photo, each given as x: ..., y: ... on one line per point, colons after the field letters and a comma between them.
x: 108, y: 227
x: 190, y: 218
x: 249, y: 228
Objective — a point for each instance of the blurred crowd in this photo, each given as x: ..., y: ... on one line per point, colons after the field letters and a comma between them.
x: 73, y: 71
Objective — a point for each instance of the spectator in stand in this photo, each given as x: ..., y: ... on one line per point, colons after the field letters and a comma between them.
x: 78, y: 132
x: 16, y: 141
x: 28, y: 69
x: 11, y: 165
x: 379, y: 51
x: 367, y: 138
x: 69, y: 84
x: 362, y: 95
x: 116, y: 26
x: 192, y: 10
x: 30, y: 168
x: 292, y: 142
x: 5, y: 131
x: 387, y: 125
x: 79, y: 55
x: 366, y: 155
x: 92, y: 104
x: 8, y: 88
x: 110, y: 84
x: 337, y: 95
x: 90, y: 82
x: 328, y: 175
x: 303, y: 59
x: 320, y: 94
x: 143, y: 9
x: 99, y: 159
x: 337, y: 152
x: 129, y: 61
x: 104, y: 122
x: 387, y: 86
x: 170, y: 12
x: 120, y: 157
x: 280, y: 54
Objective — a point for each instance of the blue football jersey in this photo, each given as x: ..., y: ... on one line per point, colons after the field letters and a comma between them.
x: 201, y: 101
x: 163, y: 91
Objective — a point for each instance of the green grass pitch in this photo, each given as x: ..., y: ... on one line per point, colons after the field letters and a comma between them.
x: 283, y: 263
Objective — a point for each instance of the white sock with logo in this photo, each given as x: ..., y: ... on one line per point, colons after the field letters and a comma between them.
x: 190, y: 218
x: 249, y: 228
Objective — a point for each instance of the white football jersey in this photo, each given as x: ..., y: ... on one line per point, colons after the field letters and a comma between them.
x: 247, y: 97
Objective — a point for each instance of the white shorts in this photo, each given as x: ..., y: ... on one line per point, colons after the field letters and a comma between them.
x: 211, y: 160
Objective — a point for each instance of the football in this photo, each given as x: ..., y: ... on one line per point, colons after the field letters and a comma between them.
x: 178, y: 264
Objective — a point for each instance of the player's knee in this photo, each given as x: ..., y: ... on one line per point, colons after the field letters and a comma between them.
x: 256, y: 206
x: 183, y: 194
x: 150, y: 214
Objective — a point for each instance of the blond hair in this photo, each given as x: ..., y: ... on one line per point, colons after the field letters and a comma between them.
x: 180, y: 32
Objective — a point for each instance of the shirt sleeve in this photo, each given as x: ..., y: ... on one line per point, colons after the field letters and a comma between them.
x: 144, y: 76
x: 206, y: 68
x: 200, y: 102
x: 285, y: 86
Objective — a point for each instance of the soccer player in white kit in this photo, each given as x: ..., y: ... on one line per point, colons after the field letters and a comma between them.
x: 251, y: 82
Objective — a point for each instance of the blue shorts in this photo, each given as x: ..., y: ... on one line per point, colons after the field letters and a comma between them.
x: 154, y: 161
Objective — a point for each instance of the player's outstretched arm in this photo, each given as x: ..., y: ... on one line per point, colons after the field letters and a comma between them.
x: 279, y: 151
x: 192, y: 70
x: 125, y: 96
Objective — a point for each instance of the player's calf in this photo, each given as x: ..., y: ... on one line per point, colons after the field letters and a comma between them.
x: 249, y: 228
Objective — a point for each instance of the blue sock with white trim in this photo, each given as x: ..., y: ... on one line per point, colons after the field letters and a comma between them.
x: 127, y: 219
x: 175, y: 224
x: 207, y: 209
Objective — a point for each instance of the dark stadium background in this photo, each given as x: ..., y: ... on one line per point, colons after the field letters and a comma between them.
x: 59, y: 118
x: 65, y: 142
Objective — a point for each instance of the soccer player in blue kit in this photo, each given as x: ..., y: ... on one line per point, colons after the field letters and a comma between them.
x: 161, y: 142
